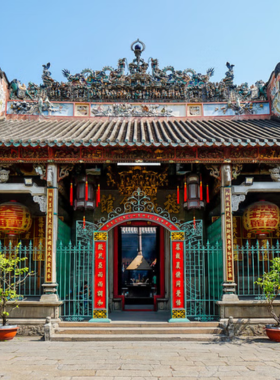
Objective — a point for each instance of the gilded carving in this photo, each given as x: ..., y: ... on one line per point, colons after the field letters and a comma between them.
x: 107, y: 203
x: 178, y: 313
x: 100, y: 314
x: 100, y: 236
x: 177, y: 236
x: 171, y: 204
x: 137, y: 177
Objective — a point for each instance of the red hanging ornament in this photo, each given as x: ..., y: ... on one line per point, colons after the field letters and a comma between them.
x: 194, y: 223
x: 98, y: 196
x: 201, y: 189
x: 178, y: 195
x: 207, y: 194
x: 185, y: 192
x: 98, y: 193
x: 71, y: 194
x: 86, y: 190
x: 84, y: 222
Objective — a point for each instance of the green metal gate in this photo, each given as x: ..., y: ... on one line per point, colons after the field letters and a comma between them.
x: 204, y: 273
x: 75, y: 279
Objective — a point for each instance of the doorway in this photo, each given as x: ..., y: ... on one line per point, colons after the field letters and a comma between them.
x: 139, y: 265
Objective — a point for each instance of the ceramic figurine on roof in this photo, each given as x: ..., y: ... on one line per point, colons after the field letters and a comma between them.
x: 161, y: 85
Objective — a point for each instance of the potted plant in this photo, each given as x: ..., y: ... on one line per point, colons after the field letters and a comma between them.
x: 11, y: 275
x: 270, y: 284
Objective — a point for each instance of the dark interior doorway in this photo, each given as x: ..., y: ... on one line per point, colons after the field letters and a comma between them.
x: 138, y: 266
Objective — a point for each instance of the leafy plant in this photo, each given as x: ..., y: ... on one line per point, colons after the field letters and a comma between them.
x: 270, y: 284
x: 11, y: 276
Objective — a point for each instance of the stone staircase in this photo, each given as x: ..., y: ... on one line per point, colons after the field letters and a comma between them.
x: 138, y: 331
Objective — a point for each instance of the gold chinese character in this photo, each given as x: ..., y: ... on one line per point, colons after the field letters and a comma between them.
x: 99, y: 303
x: 100, y: 265
x: 178, y: 265
x: 178, y: 274
x: 100, y: 255
x: 178, y: 293
x: 100, y: 284
x: 100, y: 274
x: 100, y: 246
x: 177, y: 255
x: 100, y: 293
x: 178, y: 284
x: 178, y: 248
x: 178, y: 302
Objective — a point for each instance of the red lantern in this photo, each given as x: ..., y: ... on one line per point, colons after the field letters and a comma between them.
x: 261, y: 218
x: 15, y: 218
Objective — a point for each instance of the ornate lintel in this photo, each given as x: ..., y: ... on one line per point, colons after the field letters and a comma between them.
x: 236, y: 199
x: 214, y: 171
x: 275, y: 173
x: 4, y: 175
x: 40, y: 169
x: 236, y: 170
x: 42, y: 200
x: 64, y: 171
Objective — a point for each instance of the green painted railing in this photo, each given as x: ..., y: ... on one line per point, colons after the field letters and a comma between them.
x: 32, y: 286
x: 204, y: 278
x: 75, y: 279
x: 250, y: 262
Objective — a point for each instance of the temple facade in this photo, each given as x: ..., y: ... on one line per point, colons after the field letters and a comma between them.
x: 140, y: 188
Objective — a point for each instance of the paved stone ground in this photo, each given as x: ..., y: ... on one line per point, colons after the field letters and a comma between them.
x: 29, y: 358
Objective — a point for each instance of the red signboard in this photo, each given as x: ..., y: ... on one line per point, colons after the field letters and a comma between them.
x: 100, y: 275
x: 178, y: 274
x: 229, y: 235
x: 140, y: 216
x: 49, y: 234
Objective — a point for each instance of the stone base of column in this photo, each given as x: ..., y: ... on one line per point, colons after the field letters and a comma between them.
x: 229, y: 289
x: 50, y: 293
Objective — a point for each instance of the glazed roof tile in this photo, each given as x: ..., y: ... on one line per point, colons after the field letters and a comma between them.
x: 140, y: 132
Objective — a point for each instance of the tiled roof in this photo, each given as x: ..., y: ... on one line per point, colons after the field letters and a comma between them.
x: 140, y: 132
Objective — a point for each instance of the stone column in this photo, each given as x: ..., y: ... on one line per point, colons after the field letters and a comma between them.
x: 229, y: 286
x: 50, y: 285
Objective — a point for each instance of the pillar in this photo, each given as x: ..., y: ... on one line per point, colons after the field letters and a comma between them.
x: 50, y: 285
x: 178, y: 277
x: 229, y: 286
x: 100, y: 278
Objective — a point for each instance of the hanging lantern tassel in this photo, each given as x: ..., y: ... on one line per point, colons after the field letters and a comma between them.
x: 178, y: 195
x: 98, y: 196
x: 201, y: 189
x: 84, y: 222
x: 86, y: 190
x: 207, y: 194
x: 71, y: 194
x: 185, y: 192
x: 194, y: 223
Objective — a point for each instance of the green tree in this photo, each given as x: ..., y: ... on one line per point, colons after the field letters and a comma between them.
x: 270, y: 284
x: 11, y: 276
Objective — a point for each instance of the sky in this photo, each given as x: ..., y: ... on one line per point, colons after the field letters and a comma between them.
x: 195, y: 34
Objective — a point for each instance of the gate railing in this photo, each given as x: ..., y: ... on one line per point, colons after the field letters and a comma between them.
x: 250, y: 262
x: 35, y: 256
x: 75, y: 279
x: 204, y: 278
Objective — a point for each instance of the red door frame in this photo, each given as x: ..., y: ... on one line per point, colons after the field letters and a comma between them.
x: 161, y: 256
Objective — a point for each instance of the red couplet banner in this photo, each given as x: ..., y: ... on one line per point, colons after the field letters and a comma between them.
x: 178, y: 274
x: 100, y: 275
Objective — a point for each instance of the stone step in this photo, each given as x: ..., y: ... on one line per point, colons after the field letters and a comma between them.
x: 137, y: 330
x: 138, y: 337
x: 138, y: 324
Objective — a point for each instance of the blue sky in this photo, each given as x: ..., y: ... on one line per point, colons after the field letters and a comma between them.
x: 185, y: 34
